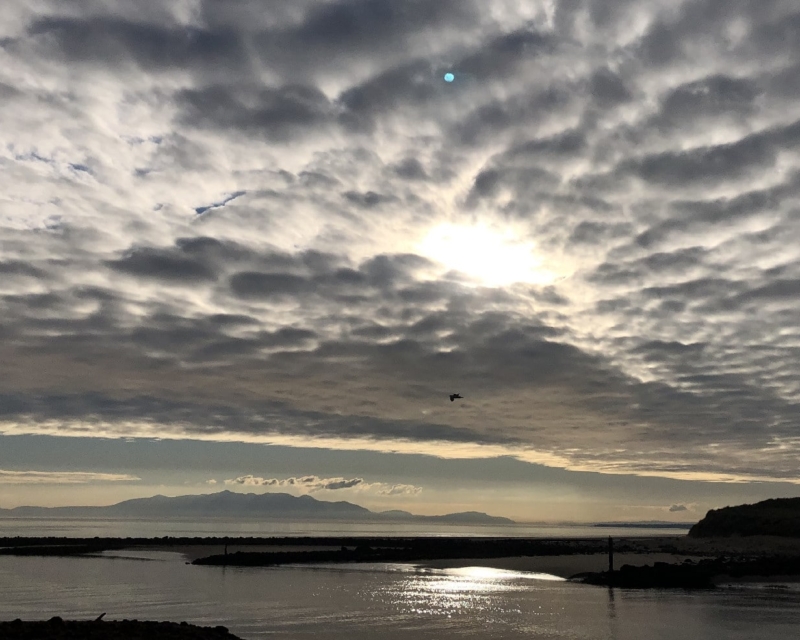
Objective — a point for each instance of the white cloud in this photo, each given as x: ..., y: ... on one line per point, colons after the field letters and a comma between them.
x: 312, y: 484
x: 62, y: 477
x: 399, y: 489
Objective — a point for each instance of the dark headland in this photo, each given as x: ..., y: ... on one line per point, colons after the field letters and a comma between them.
x: 749, y: 541
x: 777, y: 517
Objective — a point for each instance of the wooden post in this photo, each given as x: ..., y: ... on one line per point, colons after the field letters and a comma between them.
x: 610, y: 555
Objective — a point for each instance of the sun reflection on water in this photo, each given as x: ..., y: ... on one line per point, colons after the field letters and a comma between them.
x: 466, y: 590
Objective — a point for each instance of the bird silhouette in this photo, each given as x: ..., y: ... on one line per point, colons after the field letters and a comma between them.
x: 453, y: 396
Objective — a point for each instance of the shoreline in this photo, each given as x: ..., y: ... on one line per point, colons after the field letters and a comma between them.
x: 647, y: 561
x: 59, y: 629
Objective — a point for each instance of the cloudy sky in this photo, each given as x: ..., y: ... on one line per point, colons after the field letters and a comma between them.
x: 255, y: 244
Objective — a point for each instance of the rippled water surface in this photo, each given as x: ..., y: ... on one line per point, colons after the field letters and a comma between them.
x: 382, y: 601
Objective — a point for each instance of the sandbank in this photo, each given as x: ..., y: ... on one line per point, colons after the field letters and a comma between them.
x: 563, y: 566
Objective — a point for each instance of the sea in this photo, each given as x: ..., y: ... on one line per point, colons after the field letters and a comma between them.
x: 376, y: 601
x: 214, y: 527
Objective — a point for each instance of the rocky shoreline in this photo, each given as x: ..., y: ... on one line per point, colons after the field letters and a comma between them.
x: 705, y: 574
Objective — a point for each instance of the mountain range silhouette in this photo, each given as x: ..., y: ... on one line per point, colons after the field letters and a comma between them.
x: 229, y: 504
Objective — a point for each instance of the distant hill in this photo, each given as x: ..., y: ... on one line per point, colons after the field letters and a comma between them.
x: 777, y: 517
x: 227, y: 504
x: 465, y: 517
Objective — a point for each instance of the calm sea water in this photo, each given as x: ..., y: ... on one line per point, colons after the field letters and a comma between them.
x: 390, y: 602
x: 222, y: 527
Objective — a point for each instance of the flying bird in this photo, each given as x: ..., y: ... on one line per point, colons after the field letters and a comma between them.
x: 453, y: 396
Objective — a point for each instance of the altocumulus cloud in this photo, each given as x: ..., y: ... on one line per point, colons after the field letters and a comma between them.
x: 311, y: 484
x: 216, y: 224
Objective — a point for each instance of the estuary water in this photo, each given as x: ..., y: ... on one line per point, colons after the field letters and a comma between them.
x: 382, y: 601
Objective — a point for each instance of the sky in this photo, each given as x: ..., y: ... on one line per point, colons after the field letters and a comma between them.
x: 254, y: 245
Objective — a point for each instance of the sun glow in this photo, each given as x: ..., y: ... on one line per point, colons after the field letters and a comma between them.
x: 491, y: 256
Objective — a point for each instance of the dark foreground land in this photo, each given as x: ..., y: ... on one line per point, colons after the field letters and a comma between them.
x: 58, y: 629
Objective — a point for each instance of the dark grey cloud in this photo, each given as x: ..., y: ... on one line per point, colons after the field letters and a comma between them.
x: 368, y: 200
x: 675, y: 263
x: 571, y: 142
x: 252, y: 284
x: 19, y: 268
x: 661, y: 45
x: 162, y: 265
x: 342, y: 484
x: 690, y: 215
x: 608, y: 89
x: 705, y: 164
x: 8, y: 92
x: 503, y: 55
x: 103, y: 414
x: 333, y: 34
x: 411, y: 85
x: 294, y: 39
x: 777, y: 290
x: 710, y: 97
x: 490, y: 119
x: 411, y: 169
x: 589, y: 232
x: 369, y: 24
x: 658, y: 349
x: 111, y: 41
x: 278, y: 114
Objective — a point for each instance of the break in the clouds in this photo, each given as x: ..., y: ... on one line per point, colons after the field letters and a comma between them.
x: 276, y: 222
x: 62, y: 477
x: 311, y: 484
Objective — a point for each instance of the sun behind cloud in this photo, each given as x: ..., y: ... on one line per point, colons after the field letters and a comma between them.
x: 491, y: 256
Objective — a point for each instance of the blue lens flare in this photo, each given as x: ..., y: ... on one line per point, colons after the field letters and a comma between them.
x: 449, y: 77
